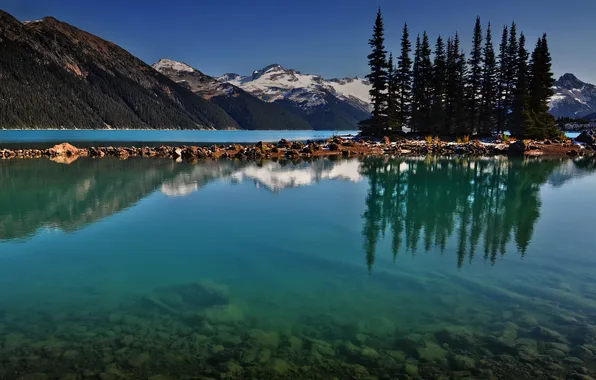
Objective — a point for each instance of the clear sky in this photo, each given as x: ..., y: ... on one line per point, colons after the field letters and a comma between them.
x: 327, y: 37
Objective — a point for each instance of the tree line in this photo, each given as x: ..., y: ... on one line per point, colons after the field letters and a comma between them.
x: 446, y: 92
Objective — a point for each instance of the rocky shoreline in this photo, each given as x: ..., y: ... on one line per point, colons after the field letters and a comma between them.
x: 337, y: 146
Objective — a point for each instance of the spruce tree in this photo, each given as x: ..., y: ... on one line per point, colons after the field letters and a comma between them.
x: 511, y: 73
x: 474, y: 80
x: 377, y: 60
x: 426, y: 68
x: 502, y: 86
x: 450, y: 74
x: 392, y: 96
x: 538, y: 123
x: 489, y: 86
x: 460, y: 101
x: 520, y: 101
x: 417, y: 88
x: 439, y: 89
x: 404, y: 78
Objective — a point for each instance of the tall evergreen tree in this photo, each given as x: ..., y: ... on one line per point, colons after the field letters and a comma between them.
x: 377, y: 61
x: 502, y: 86
x: 489, y: 86
x: 439, y: 89
x: 456, y: 90
x: 426, y: 72
x: 520, y: 101
x: 511, y: 73
x: 538, y: 123
x: 474, y: 80
x: 392, y: 96
x: 417, y: 88
x: 404, y: 78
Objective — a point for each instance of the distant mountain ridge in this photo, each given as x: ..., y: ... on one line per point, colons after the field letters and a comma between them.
x: 573, y: 98
x: 285, y: 99
x: 326, y: 104
x: 247, y: 110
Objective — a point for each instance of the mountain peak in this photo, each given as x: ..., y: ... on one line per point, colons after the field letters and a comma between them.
x: 569, y: 80
x: 276, y: 67
x: 168, y: 64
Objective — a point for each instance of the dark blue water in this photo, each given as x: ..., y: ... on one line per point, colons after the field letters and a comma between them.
x: 373, y: 269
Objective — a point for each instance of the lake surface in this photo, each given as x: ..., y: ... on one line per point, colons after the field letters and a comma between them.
x: 328, y: 269
x: 84, y: 138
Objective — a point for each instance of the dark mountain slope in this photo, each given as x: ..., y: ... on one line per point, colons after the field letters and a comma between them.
x: 54, y: 75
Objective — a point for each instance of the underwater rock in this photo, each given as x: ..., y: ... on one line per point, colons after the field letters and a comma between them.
x: 226, y: 314
x: 232, y: 369
x: 527, y: 354
x: 349, y: 349
x: 558, y: 346
x: 369, y: 355
x: 35, y: 376
x: 411, y: 368
x: 548, y: 335
x: 159, y: 377
x: 431, y: 352
x: 216, y: 349
x: 261, y: 338
x: 69, y: 376
x: 278, y: 366
x: 180, y: 299
x: 70, y: 355
x: 139, y: 360
x: 463, y: 362
x: 554, y: 353
x: 455, y: 337
x: 264, y: 356
x: 583, y: 353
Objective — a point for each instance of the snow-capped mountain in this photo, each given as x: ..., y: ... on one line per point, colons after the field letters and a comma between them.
x: 247, y: 110
x: 275, y: 83
x: 192, y: 78
x: 276, y: 98
x: 573, y: 98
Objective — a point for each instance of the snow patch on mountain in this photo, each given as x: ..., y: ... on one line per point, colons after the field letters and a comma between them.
x: 274, y: 83
x: 572, y: 97
x: 167, y: 64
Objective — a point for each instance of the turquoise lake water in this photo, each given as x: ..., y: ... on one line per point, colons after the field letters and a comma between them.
x: 418, y: 268
x: 131, y: 137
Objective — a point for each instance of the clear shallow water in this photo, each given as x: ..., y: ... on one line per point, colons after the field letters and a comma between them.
x: 129, y: 137
x: 417, y: 268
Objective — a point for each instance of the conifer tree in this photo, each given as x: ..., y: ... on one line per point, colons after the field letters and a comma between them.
x: 377, y: 60
x: 511, y: 73
x: 404, y: 78
x: 426, y: 72
x: 392, y: 96
x: 489, y: 86
x: 502, y: 86
x: 538, y: 123
x: 520, y: 101
x: 439, y: 89
x: 474, y: 80
x: 456, y: 90
x: 417, y: 88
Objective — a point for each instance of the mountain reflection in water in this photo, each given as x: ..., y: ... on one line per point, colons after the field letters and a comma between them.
x: 413, y: 202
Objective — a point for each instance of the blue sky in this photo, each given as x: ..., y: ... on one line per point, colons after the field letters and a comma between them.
x: 327, y: 37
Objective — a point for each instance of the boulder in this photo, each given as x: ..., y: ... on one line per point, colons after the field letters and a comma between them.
x: 586, y: 137
x: 333, y: 147
x: 386, y: 140
x: 516, y: 148
x: 64, y: 149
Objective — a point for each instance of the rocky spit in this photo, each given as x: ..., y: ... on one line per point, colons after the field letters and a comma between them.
x: 66, y: 153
